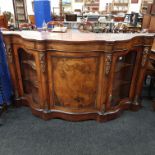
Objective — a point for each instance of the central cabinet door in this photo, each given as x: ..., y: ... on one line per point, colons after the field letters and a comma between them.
x: 122, y: 77
x: 73, y: 79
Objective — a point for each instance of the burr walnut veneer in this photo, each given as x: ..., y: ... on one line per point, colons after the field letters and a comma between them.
x: 77, y: 76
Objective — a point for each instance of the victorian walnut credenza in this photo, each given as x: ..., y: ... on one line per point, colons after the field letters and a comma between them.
x: 77, y: 76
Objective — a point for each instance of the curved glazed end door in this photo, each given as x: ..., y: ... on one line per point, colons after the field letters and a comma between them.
x: 123, y: 77
x: 30, y: 83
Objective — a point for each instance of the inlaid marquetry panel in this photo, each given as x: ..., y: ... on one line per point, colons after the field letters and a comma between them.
x: 75, y: 81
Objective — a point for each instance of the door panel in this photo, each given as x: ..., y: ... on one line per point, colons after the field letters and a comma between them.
x: 124, y: 68
x: 75, y: 81
x: 29, y: 76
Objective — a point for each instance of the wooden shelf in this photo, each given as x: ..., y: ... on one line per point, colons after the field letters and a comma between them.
x: 121, y: 4
x: 122, y: 66
x: 93, y: 5
x: 119, y: 83
x: 33, y: 83
x: 30, y: 63
x: 118, y: 7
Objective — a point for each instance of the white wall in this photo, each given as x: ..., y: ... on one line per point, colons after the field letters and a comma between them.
x: 55, y: 3
x: 103, y: 4
x: 29, y: 7
x: 77, y: 5
x: 6, y: 6
x: 135, y: 7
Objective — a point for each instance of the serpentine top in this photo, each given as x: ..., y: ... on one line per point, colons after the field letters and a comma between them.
x: 75, y: 35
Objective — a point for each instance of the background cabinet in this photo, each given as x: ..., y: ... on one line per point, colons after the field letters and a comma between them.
x: 20, y: 11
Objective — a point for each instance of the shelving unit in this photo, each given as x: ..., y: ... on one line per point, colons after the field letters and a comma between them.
x: 66, y: 6
x: 119, y: 6
x: 20, y: 11
x: 92, y: 5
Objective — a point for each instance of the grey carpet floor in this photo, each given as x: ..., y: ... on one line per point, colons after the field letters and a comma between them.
x: 131, y: 134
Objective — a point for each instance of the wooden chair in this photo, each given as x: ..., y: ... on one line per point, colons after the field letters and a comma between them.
x: 55, y: 23
x: 26, y: 26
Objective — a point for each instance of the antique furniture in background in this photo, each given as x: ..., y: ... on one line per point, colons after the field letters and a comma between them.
x: 91, y: 5
x: 120, y: 6
x: 32, y: 19
x: 20, y: 11
x: 77, y: 76
x: 26, y: 26
x: 149, y: 18
x: 3, y: 21
x: 55, y: 23
x: 145, y: 6
x: 152, y: 24
x: 148, y: 23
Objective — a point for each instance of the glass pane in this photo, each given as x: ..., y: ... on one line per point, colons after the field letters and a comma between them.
x: 123, y: 77
x: 29, y: 75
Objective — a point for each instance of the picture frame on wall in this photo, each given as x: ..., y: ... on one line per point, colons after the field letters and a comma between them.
x: 134, y: 1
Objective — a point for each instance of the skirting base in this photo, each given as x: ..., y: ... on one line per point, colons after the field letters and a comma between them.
x: 100, y: 117
x: 107, y: 116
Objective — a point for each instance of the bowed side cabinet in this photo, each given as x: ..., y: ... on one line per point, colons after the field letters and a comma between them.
x: 78, y: 80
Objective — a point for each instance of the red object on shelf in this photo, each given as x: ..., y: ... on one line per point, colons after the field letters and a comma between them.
x: 134, y: 1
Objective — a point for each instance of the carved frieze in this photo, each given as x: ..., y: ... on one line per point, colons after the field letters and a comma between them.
x: 145, y: 55
x: 42, y: 62
x: 108, y: 61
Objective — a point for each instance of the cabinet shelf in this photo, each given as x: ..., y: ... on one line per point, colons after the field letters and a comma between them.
x: 30, y: 63
x: 122, y: 66
x: 120, y: 83
x: 124, y: 70
x: 118, y: 7
x: 121, y: 4
x: 33, y: 83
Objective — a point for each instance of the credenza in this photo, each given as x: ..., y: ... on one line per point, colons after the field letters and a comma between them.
x: 77, y: 76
